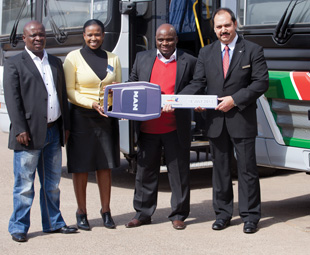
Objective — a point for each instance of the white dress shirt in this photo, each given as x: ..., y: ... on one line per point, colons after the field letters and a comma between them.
x: 165, y: 60
x: 231, y: 47
x: 53, y: 108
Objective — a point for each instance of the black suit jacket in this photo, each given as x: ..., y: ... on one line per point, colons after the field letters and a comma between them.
x: 246, y: 81
x: 142, y: 70
x: 26, y: 100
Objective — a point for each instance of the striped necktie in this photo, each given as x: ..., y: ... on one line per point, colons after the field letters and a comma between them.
x: 226, y: 61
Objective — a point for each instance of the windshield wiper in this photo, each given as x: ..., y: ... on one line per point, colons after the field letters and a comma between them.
x: 13, y: 36
x: 281, y: 33
x: 60, y: 35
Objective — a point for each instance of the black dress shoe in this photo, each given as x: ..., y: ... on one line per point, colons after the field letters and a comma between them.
x: 107, y: 219
x: 66, y: 230
x: 19, y: 237
x: 249, y: 227
x: 82, y: 222
x: 220, y: 224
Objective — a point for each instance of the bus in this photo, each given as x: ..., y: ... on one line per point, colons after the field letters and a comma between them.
x: 282, y: 27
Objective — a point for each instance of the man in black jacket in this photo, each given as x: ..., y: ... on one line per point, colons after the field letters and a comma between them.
x: 172, y: 69
x: 36, y: 99
x: 235, y: 70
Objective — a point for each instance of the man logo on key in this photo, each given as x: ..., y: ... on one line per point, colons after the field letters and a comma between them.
x: 135, y: 101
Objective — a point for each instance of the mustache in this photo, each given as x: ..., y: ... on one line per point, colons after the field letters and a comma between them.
x: 225, y: 33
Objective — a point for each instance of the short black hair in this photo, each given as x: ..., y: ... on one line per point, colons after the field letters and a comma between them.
x: 232, y: 15
x: 92, y: 22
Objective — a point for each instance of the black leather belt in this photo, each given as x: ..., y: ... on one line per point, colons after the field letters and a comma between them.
x: 51, y: 124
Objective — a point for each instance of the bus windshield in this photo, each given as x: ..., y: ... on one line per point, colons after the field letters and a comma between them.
x: 65, y: 13
x: 10, y: 10
x: 266, y: 12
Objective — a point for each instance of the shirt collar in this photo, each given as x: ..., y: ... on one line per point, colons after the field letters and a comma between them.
x: 232, y: 45
x: 165, y: 60
x: 33, y: 56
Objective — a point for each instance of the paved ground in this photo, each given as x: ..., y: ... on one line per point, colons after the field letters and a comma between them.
x: 284, y: 228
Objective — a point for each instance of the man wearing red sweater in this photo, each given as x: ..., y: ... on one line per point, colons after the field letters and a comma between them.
x: 171, y: 69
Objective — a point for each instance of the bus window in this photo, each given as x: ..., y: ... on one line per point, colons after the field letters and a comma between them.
x: 10, y: 11
x: 206, y: 6
x: 266, y: 12
x: 74, y: 13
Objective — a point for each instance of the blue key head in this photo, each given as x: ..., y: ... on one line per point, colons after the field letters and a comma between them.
x: 134, y: 100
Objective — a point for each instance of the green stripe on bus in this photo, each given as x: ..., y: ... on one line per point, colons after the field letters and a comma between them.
x: 297, y: 142
x: 280, y: 86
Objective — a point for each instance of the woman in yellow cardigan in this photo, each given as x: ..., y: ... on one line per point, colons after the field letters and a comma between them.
x: 93, y: 143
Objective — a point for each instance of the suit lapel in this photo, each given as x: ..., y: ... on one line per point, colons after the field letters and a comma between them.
x: 217, y: 58
x: 238, y: 52
x: 148, y: 65
x: 30, y: 65
x: 181, y: 66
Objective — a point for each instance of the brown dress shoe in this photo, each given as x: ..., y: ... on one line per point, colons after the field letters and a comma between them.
x: 178, y: 224
x: 136, y: 223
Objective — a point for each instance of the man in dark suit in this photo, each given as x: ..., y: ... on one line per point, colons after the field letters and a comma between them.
x: 238, y: 76
x: 172, y: 69
x: 36, y: 99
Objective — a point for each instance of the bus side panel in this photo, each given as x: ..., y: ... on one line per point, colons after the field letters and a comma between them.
x: 288, y: 157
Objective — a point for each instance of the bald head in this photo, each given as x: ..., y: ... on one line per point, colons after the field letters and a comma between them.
x: 166, y: 39
x: 34, y: 37
x: 166, y: 28
x: 32, y: 24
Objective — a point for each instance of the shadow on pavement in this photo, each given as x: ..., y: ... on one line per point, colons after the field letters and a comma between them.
x: 200, y: 213
x: 273, y: 212
x: 285, y: 210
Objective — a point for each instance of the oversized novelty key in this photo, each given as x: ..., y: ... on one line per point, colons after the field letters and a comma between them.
x: 143, y: 101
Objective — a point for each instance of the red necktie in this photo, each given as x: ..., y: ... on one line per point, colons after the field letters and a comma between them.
x: 226, y: 61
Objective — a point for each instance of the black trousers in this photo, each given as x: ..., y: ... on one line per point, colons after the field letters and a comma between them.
x: 248, y: 179
x: 146, y: 188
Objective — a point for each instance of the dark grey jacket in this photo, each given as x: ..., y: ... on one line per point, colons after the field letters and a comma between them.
x: 26, y: 100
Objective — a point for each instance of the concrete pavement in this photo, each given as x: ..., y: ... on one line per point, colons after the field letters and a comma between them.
x: 284, y: 227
